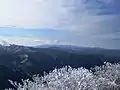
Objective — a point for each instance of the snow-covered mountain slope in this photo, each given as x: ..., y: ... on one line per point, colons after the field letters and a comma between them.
x: 15, y: 48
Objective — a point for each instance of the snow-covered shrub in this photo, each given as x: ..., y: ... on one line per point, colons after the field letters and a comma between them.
x: 106, y: 77
x: 109, y: 71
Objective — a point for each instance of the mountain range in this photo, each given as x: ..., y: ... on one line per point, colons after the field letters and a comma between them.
x: 21, y: 62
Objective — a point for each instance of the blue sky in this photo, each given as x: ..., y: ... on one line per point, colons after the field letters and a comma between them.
x: 94, y: 23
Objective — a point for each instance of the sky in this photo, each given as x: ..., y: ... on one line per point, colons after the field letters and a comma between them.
x: 91, y: 23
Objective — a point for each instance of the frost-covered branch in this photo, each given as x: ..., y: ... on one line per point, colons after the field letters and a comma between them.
x: 106, y: 77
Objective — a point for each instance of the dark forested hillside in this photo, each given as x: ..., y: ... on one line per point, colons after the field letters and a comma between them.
x: 22, y: 62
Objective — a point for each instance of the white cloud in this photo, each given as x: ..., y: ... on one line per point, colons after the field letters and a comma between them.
x: 62, y: 14
x: 30, y: 13
x: 26, y: 40
x: 88, y: 19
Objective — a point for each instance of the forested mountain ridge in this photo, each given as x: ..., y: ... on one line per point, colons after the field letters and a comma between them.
x: 23, y: 61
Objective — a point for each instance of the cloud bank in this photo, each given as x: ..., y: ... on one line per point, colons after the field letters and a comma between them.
x: 95, y: 21
x: 27, y: 41
x: 65, y: 14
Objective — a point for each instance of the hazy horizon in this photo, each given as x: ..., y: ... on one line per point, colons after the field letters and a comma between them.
x: 94, y: 23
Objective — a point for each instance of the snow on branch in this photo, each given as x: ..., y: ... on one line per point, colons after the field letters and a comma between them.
x: 106, y: 77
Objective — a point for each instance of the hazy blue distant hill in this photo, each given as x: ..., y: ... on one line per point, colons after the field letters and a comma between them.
x: 87, y: 50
